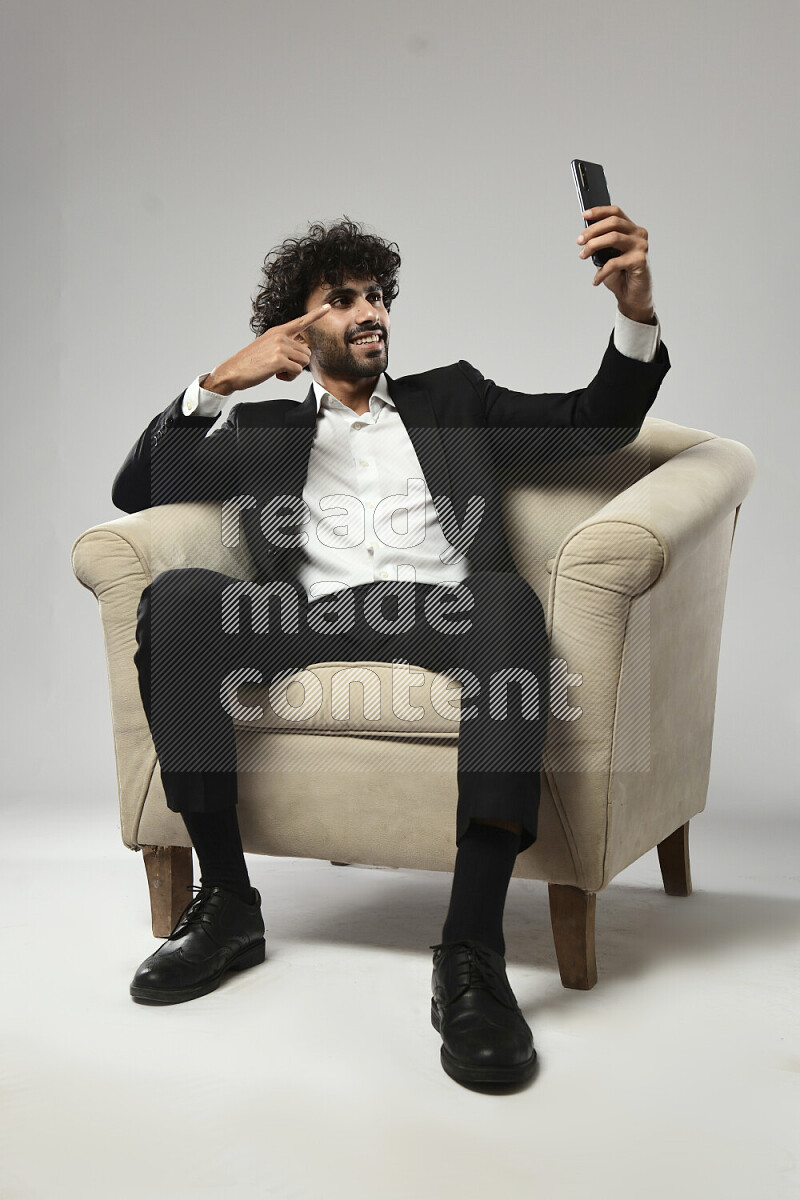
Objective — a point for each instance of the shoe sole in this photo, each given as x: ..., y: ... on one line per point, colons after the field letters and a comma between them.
x: 251, y: 956
x: 465, y: 1073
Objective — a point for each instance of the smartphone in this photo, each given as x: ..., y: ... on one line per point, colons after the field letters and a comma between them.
x: 590, y: 180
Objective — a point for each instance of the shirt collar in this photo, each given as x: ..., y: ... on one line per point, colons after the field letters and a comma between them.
x: 381, y: 391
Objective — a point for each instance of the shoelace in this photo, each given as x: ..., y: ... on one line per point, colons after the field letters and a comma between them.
x: 476, y: 970
x: 193, y: 910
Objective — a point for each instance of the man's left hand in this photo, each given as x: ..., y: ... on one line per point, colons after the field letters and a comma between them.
x: 628, y: 274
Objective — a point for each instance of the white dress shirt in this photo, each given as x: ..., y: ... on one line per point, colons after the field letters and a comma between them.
x: 371, y: 515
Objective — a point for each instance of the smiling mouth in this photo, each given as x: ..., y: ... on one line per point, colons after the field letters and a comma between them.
x: 370, y: 339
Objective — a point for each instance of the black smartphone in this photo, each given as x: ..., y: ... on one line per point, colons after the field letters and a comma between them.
x: 590, y: 180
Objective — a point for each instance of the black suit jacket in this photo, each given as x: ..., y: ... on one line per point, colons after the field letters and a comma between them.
x: 463, y: 428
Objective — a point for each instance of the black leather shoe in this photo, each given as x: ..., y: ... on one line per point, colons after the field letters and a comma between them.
x: 485, y: 1038
x: 215, y: 933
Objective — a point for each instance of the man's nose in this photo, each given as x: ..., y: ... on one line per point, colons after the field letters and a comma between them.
x: 366, y: 313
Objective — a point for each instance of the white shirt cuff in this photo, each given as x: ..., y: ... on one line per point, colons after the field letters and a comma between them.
x: 635, y: 339
x: 198, y: 402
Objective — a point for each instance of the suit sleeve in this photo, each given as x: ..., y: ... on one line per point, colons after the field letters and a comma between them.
x: 596, y: 419
x: 173, y: 461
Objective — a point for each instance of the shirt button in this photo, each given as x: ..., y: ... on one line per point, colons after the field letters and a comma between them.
x: 364, y: 462
x: 357, y: 424
x: 370, y: 549
x: 384, y: 574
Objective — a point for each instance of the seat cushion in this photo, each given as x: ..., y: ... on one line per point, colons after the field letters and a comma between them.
x: 368, y: 698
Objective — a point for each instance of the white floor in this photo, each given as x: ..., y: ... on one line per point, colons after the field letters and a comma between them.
x: 317, y: 1074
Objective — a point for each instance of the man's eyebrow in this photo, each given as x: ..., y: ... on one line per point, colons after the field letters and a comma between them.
x: 348, y: 291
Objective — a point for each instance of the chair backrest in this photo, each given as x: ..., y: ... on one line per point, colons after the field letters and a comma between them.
x: 541, y: 504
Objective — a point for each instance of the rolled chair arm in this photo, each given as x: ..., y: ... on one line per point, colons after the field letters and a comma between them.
x: 635, y: 617
x: 116, y: 560
x: 638, y: 535
x: 145, y: 543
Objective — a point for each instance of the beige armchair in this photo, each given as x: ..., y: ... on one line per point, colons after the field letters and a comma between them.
x: 629, y: 555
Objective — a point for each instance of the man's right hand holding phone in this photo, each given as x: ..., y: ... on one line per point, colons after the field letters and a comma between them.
x: 627, y: 275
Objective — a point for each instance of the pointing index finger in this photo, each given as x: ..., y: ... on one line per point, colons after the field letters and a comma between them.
x: 308, y: 318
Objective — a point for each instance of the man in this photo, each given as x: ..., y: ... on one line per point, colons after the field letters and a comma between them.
x: 358, y: 440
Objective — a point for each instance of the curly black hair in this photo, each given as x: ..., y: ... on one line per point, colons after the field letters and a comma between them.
x: 326, y: 254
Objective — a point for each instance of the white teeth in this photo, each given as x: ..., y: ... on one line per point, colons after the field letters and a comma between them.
x: 372, y: 338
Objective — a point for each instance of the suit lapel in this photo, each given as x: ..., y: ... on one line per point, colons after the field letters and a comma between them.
x: 417, y: 413
x: 293, y: 444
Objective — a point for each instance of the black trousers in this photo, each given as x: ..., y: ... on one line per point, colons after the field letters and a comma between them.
x: 197, y: 627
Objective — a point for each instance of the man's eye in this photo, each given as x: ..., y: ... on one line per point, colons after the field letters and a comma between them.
x: 377, y: 296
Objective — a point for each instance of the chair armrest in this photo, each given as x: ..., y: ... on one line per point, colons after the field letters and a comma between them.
x: 638, y: 535
x: 635, y: 618
x: 116, y: 561
x: 145, y: 543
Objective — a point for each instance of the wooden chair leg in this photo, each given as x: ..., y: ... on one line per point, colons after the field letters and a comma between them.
x: 673, y: 857
x: 572, y: 917
x: 169, y: 875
